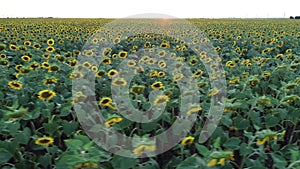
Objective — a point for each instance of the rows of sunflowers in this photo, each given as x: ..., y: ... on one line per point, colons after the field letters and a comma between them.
x: 40, y: 61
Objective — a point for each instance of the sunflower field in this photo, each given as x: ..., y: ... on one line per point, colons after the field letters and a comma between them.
x: 43, y: 125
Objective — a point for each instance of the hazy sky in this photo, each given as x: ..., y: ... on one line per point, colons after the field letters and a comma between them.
x: 125, y: 8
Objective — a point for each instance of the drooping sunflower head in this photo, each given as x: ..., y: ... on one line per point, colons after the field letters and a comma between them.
x: 162, y: 99
x: 105, y: 101
x: 15, y: 85
x: 122, y: 54
x: 157, y: 85
x: 50, y: 49
x: 187, y: 140
x: 44, y: 141
x: 46, y: 94
x: 112, y: 73
x: 25, y: 58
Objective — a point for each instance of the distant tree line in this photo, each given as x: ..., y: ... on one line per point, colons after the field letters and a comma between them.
x: 296, y: 17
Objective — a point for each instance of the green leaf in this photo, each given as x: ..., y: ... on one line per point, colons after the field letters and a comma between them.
x: 241, y: 123
x: 279, y: 161
x: 217, y: 143
x: 123, y: 162
x: 148, y: 126
x: 69, y: 127
x: 202, y: 150
x: 74, y: 144
x: 50, y: 128
x: 151, y: 164
x: 271, y: 120
x: 226, y: 120
x: 45, y: 160
x: 193, y: 162
x: 4, y: 155
x: 232, y: 143
x: 245, y: 149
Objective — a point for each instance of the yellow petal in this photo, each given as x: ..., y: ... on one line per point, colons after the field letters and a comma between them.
x: 212, y: 163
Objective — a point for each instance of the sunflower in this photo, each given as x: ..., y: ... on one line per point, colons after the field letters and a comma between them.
x: 157, y: 85
x: 18, y: 67
x: 262, y: 141
x: 161, y: 74
x: 114, y: 56
x: 46, y: 56
x: 288, y: 51
x: 27, y: 43
x: 122, y: 54
x: 34, y: 65
x: 86, y: 64
x: 147, y: 44
x: 193, y: 110
x: 54, y: 68
x: 50, y: 42
x: 198, y: 73
x: 112, y: 73
x: 230, y: 64
x: 178, y: 77
x: 113, y: 121
x: 164, y: 45
x: 94, y: 68
x: 162, y: 99
x: 234, y: 80
x: 37, y: 46
x: 4, y: 62
x: 131, y: 63
x: 44, y: 141
x: 253, y: 81
x: 105, y: 101
x: 153, y: 73
x: 3, y: 56
x: 212, y: 162
x: 15, y: 85
x: 137, y: 89
x: 106, y: 52
x: 106, y: 60
x: 76, y: 75
x: 50, y: 49
x: 117, y: 40
x: 277, y: 57
x: 13, y: 47
x: 293, y: 66
x: 203, y: 55
x: 290, y: 98
x: 280, y: 44
x: 100, y: 73
x: 86, y: 164
x: 193, y: 61
x: 245, y: 62
x: 266, y: 74
x: 95, y: 40
x: 162, y: 64
x: 50, y: 81
x: 201, y: 85
x: 142, y: 148
x: 213, y: 92
x: 46, y: 94
x: 119, y: 82
x: 45, y: 65
x: 76, y: 52
x: 187, y: 140
x: 221, y: 160
x: 266, y: 50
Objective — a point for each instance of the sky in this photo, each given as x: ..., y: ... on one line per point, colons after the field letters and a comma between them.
x: 127, y: 8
